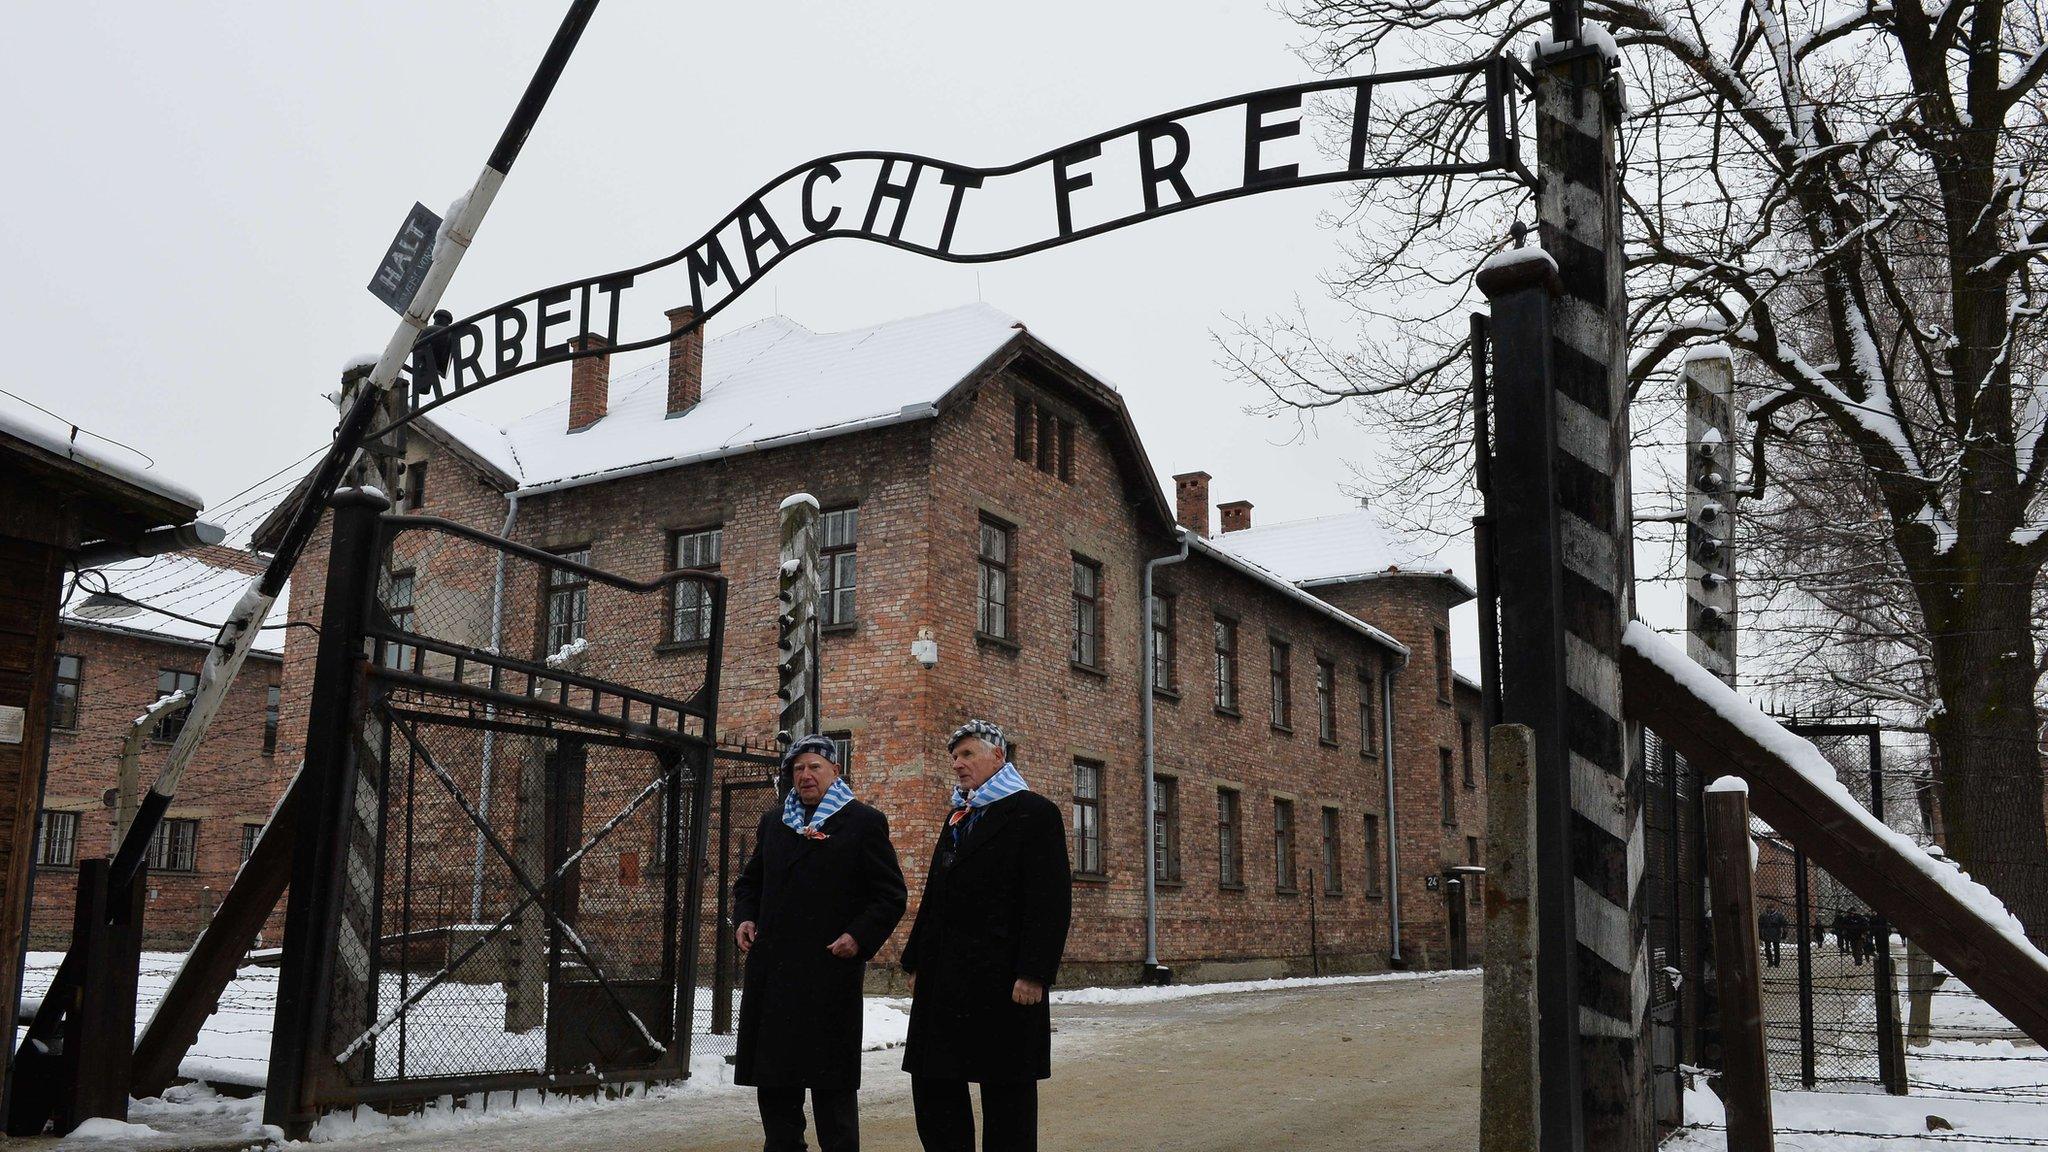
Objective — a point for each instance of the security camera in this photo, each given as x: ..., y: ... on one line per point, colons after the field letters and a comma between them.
x: 924, y: 649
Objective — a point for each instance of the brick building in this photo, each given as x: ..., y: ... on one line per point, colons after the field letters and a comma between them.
x: 978, y: 484
x: 115, y: 659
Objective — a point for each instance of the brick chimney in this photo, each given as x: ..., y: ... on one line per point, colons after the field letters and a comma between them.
x: 685, y: 362
x: 1237, y: 515
x: 1191, y: 501
x: 590, y: 383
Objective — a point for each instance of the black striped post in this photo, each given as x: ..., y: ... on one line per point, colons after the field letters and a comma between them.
x: 1710, y: 510
x: 1578, y: 108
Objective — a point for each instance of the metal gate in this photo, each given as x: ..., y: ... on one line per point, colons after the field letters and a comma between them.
x: 1831, y: 1005
x: 523, y: 834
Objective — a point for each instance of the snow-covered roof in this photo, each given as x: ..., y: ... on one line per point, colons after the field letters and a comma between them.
x: 1208, y: 547
x: 24, y: 421
x: 198, y: 584
x: 1354, y: 545
x: 771, y: 383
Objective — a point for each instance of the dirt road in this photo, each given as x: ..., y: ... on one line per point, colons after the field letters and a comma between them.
x: 1357, y: 1068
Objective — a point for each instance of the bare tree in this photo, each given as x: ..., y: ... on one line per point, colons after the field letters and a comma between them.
x: 1850, y: 194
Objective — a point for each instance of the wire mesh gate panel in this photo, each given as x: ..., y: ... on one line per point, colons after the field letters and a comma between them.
x: 523, y: 846
x: 1831, y: 998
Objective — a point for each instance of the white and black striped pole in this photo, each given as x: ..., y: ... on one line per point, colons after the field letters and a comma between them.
x: 1578, y: 112
x: 796, y: 622
x: 1710, y: 510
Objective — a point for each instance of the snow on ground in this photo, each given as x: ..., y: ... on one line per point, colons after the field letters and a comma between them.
x: 1152, y: 994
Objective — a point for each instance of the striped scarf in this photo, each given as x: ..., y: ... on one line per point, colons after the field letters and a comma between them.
x: 836, y: 797
x: 1006, y: 782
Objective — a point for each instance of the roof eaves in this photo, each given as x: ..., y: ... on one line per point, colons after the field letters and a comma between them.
x: 1287, y: 588
x: 1456, y: 581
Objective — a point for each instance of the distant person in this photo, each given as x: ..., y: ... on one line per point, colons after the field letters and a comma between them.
x: 1856, y: 928
x: 987, y: 942
x: 1820, y: 932
x: 1770, y: 928
x: 1841, y: 932
x: 819, y: 897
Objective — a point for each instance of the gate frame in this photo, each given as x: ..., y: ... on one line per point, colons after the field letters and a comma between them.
x: 349, y: 685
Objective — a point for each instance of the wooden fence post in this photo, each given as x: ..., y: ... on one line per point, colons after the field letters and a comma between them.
x: 1508, y: 1067
x: 1745, y: 1071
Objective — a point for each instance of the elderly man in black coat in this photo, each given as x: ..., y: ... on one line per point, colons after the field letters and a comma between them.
x: 986, y: 945
x: 815, y: 903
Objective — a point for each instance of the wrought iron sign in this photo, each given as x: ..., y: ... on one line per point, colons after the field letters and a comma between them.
x: 1353, y: 128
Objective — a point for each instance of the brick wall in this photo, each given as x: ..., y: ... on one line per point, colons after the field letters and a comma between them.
x: 230, y: 782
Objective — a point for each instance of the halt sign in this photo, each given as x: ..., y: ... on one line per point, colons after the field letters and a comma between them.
x: 405, y: 262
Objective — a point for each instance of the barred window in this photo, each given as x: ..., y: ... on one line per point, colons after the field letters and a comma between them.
x: 250, y: 832
x: 1450, y: 792
x: 1333, y: 852
x: 568, y: 601
x: 691, y: 613
x: 1372, y: 854
x: 398, y: 609
x: 1282, y: 683
x: 175, y: 847
x: 173, y: 722
x: 64, y: 693
x: 1087, y: 817
x: 1283, y: 846
x: 1226, y: 664
x: 1166, y: 828
x: 1021, y: 437
x: 272, y: 697
x: 57, y: 839
x: 415, y: 485
x: 1229, y: 839
x: 1164, y: 649
x: 992, y: 593
x: 1085, y: 647
x: 1367, y: 726
x: 839, y: 533
x: 1326, y: 701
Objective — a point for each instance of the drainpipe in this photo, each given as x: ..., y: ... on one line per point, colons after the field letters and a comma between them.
x: 476, y: 888
x: 1152, y: 973
x: 1393, y: 821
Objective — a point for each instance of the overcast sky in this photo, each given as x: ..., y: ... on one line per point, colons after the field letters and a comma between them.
x: 201, y: 191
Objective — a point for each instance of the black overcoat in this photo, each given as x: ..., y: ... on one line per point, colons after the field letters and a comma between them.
x: 997, y: 913
x: 800, y: 1010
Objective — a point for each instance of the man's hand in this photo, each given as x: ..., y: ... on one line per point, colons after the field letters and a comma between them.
x: 846, y: 947
x: 1027, y: 992
x: 745, y: 935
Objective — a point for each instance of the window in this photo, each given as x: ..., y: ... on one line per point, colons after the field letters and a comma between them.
x: 568, y: 604
x: 1166, y: 828
x: 1281, y: 687
x: 1048, y: 439
x: 1472, y: 880
x: 1164, y: 651
x: 1450, y: 793
x: 64, y: 694
x: 1022, y: 436
x: 1333, y: 852
x: 1087, y: 818
x: 992, y: 594
x: 249, y: 834
x: 690, y: 619
x: 1367, y: 726
x: 1226, y: 664
x: 1085, y: 646
x: 1372, y: 854
x: 398, y: 608
x: 175, y: 847
x: 57, y: 840
x: 1066, y: 463
x: 1326, y: 701
x: 1441, y: 641
x: 272, y: 696
x: 1465, y: 749
x: 839, y: 533
x: 842, y: 743
x: 1283, y: 845
x: 415, y: 485
x: 173, y: 722
x: 1229, y: 839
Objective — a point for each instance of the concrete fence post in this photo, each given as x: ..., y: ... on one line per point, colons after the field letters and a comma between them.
x: 1508, y: 1067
